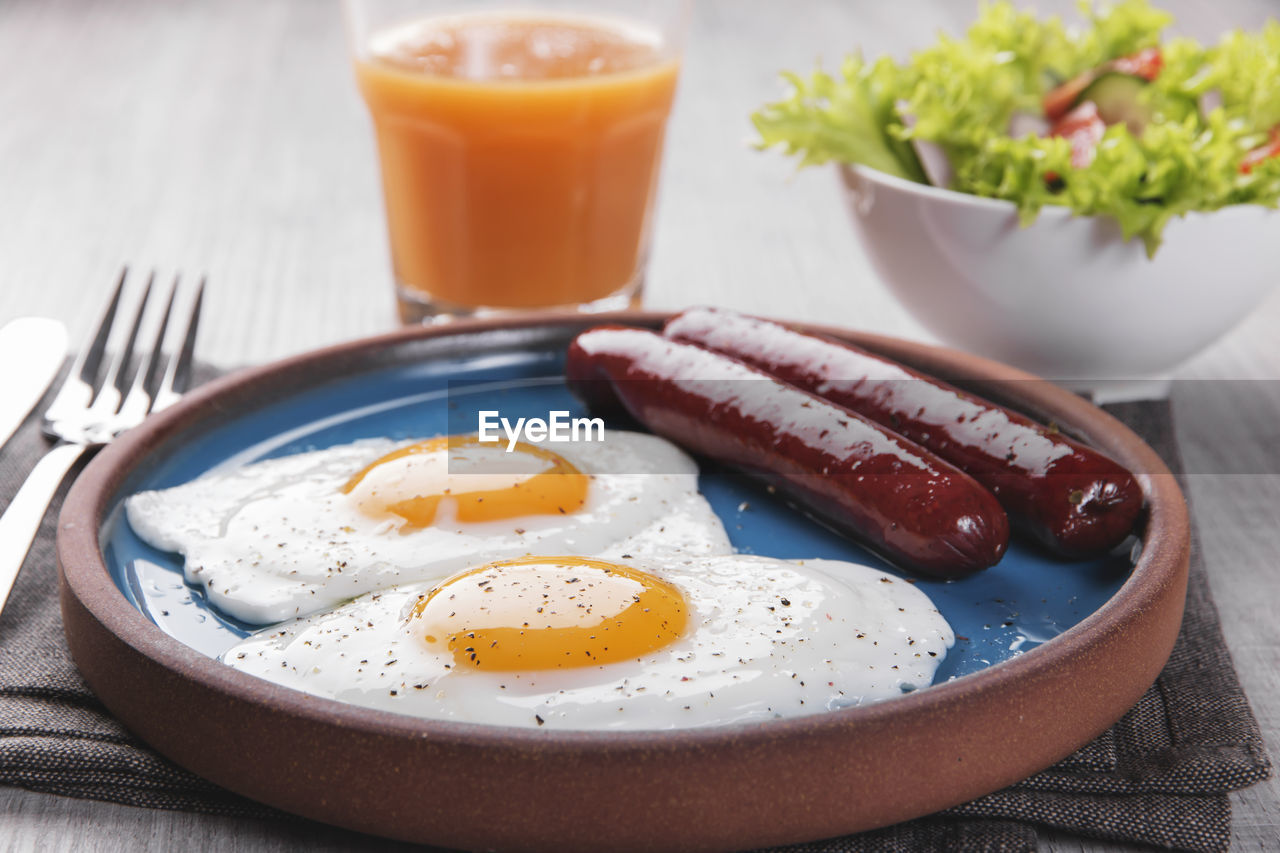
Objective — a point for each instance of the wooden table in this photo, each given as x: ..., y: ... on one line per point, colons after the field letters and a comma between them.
x: 228, y: 138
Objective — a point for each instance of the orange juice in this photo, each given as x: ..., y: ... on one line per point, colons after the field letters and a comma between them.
x: 519, y: 154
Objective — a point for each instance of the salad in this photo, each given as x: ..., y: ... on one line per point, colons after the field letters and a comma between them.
x: 1107, y: 119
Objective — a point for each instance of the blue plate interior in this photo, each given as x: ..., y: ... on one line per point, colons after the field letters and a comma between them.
x: 997, y: 614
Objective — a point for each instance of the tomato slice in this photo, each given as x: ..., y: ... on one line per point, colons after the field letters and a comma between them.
x: 1058, y: 102
x: 1083, y: 128
x: 1145, y: 63
x: 1263, y: 152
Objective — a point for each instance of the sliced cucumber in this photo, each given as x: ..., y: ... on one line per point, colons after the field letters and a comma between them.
x: 1118, y: 97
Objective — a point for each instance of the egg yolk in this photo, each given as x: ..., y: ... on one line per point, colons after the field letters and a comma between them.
x: 482, y: 482
x: 537, y: 613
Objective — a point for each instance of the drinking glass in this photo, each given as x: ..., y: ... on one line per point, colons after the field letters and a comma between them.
x: 520, y: 146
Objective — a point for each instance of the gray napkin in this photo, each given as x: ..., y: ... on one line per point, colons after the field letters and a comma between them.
x: 54, y: 734
x: 1159, y: 776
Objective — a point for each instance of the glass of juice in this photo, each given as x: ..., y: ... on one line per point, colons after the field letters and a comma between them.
x: 520, y: 145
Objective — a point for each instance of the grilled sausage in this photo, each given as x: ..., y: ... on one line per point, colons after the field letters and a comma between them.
x: 1074, y: 500
x: 862, y: 480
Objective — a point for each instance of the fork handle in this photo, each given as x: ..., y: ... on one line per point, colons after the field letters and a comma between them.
x: 21, y: 521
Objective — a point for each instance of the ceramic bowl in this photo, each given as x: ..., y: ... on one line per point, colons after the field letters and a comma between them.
x: 1066, y: 297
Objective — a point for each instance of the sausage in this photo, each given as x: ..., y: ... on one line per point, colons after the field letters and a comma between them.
x: 862, y: 480
x: 1075, y: 501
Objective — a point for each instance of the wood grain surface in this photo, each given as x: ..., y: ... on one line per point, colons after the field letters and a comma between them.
x: 227, y: 138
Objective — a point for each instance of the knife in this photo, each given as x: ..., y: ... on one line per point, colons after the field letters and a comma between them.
x: 32, y: 350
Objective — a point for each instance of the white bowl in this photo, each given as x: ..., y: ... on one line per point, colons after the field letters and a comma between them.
x: 1065, y: 297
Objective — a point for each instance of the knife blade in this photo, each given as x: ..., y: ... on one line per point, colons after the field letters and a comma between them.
x: 32, y: 350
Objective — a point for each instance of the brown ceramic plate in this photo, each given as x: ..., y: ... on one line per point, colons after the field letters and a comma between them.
x: 464, y: 785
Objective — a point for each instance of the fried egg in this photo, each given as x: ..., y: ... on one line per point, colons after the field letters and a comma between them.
x: 290, y: 536
x: 579, y: 643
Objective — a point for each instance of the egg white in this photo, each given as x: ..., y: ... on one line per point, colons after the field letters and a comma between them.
x: 766, y: 639
x: 277, y: 539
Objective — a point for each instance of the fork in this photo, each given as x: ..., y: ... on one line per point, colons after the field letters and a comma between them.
x: 80, y: 421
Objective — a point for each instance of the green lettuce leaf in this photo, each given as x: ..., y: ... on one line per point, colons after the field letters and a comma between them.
x: 1245, y: 68
x: 846, y: 119
x: 1118, y: 30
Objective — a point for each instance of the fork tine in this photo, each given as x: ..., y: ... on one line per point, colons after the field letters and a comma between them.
x: 138, y: 401
x: 113, y: 383
x: 182, y: 374
x: 151, y: 375
x: 91, y: 358
x: 177, y: 377
x: 77, y: 389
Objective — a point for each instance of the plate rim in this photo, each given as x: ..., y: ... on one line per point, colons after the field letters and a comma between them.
x: 88, y: 590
